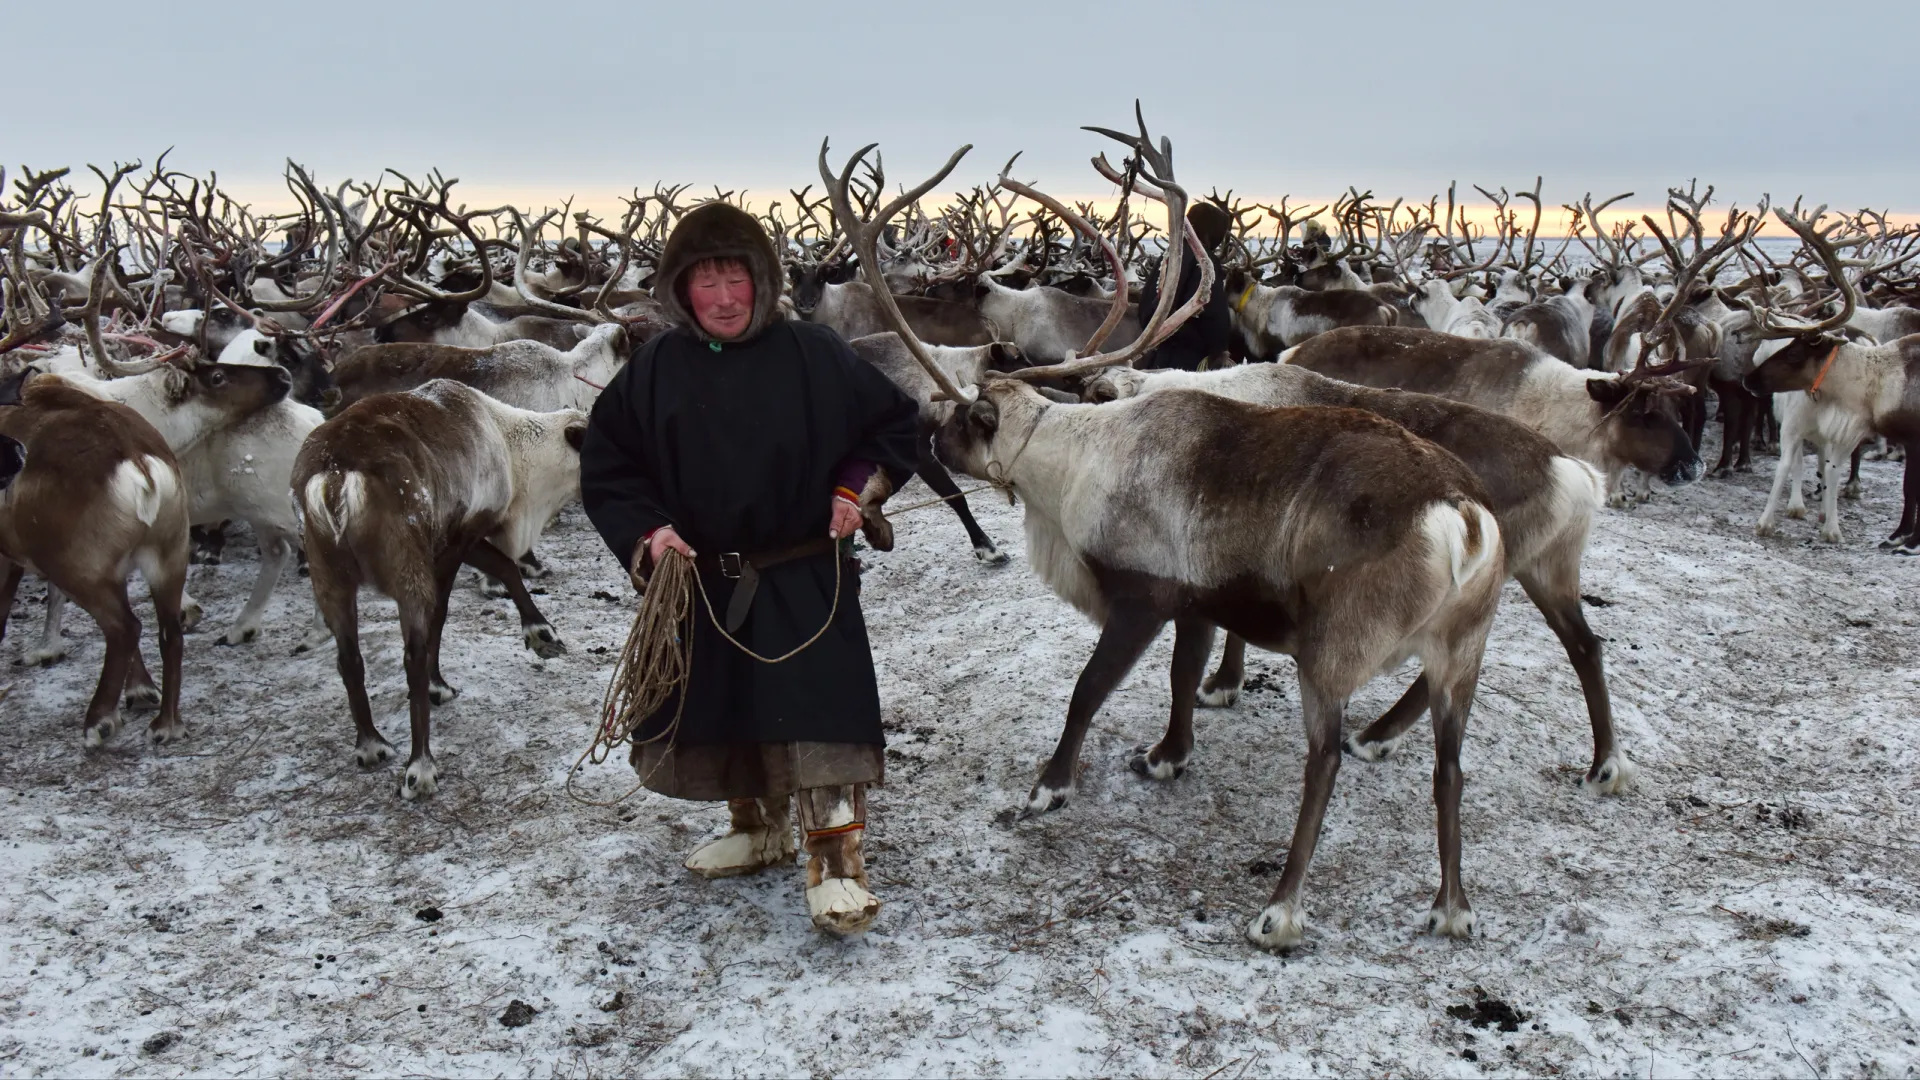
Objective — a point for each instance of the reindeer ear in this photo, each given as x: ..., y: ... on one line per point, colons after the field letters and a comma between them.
x: 576, y: 436
x: 1607, y: 392
x: 10, y: 388
x: 984, y: 415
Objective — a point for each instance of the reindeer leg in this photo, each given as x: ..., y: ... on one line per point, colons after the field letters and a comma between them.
x: 339, y: 606
x: 1830, y: 500
x: 167, y: 593
x: 1611, y: 771
x: 1786, y: 472
x: 275, y: 549
x: 421, y: 776
x: 936, y: 477
x: 1283, y: 922
x: 1852, y: 488
x: 1451, y: 915
x: 438, y: 690
x: 107, y: 603
x: 1222, y: 688
x: 1128, y: 631
x: 10, y: 574
x: 1382, y: 737
x: 490, y: 560
x: 1192, y: 644
x: 53, y: 647
x: 1906, y: 538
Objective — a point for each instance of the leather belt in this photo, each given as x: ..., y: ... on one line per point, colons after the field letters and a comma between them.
x: 745, y: 569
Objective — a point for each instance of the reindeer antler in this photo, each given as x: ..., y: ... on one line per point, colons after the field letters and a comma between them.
x: 864, y: 236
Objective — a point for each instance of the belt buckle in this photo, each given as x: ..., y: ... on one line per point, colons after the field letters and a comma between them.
x: 731, y: 564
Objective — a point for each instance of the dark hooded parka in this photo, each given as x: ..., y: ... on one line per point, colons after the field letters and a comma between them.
x: 1210, y: 332
x: 739, y: 446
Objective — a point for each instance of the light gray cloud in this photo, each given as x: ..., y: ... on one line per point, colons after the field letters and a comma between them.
x: 1397, y: 97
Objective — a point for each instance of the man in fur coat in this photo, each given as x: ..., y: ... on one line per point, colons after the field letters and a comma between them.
x: 744, y: 441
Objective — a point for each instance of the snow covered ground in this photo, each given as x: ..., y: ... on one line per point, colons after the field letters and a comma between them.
x: 252, y: 902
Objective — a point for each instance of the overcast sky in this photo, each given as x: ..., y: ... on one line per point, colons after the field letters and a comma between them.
x: 538, y: 100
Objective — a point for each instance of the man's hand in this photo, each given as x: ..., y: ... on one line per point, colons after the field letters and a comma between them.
x: 846, y: 518
x: 662, y: 539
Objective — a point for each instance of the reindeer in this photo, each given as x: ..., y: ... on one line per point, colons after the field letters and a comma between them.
x: 1543, y: 500
x: 97, y: 496
x: 1612, y: 422
x: 1835, y: 391
x: 1273, y: 318
x: 852, y: 309
x: 398, y: 491
x: 890, y: 353
x: 525, y: 374
x: 1466, y: 317
x: 1125, y: 522
x: 233, y: 433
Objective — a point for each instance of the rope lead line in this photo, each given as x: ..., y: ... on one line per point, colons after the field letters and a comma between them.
x: 657, y: 659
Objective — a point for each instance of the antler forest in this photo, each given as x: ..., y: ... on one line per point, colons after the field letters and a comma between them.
x: 1563, y: 541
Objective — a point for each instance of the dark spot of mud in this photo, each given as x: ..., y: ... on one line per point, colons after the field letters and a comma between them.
x: 518, y: 1014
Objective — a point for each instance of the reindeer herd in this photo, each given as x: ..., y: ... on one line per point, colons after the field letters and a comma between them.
x: 391, y: 386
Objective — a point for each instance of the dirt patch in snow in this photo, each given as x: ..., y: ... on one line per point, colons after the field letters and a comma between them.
x: 253, y: 902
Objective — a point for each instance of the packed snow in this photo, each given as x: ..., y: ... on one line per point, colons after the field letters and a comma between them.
x: 251, y: 902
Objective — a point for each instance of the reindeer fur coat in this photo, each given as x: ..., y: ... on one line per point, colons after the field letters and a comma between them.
x: 739, y: 446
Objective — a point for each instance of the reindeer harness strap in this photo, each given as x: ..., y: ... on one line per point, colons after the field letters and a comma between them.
x: 1240, y: 305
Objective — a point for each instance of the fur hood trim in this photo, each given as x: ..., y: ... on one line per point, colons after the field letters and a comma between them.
x: 719, y: 230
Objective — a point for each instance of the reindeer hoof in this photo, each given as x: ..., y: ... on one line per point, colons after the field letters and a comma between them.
x: 1797, y: 513
x: 1851, y: 491
x: 100, y: 731
x: 239, y: 635
x: 1765, y: 527
x: 1217, y: 697
x: 143, y: 697
x: 440, y: 693
x: 1613, y: 776
x: 1830, y: 535
x: 1278, y: 927
x: 1454, y: 923
x: 51, y: 655
x: 1369, y: 750
x: 372, y: 752
x: 419, y: 780
x: 161, y: 733
x: 1044, y: 800
x: 544, y: 642
x: 990, y: 555
x: 1144, y: 764
x: 190, y: 615
x: 491, y: 588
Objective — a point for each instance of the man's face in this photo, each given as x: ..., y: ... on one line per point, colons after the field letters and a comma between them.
x: 722, y: 299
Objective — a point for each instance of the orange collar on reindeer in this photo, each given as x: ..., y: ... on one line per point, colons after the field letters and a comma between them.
x: 1825, y: 366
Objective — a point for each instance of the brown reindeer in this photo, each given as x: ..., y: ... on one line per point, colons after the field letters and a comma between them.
x: 1354, y: 546
x: 398, y: 491
x: 99, y: 496
x: 1543, y: 500
x: 1611, y: 421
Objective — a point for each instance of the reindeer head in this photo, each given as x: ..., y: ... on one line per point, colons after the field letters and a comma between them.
x: 809, y: 282
x: 1801, y: 364
x: 1645, y: 426
x: 1113, y: 384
